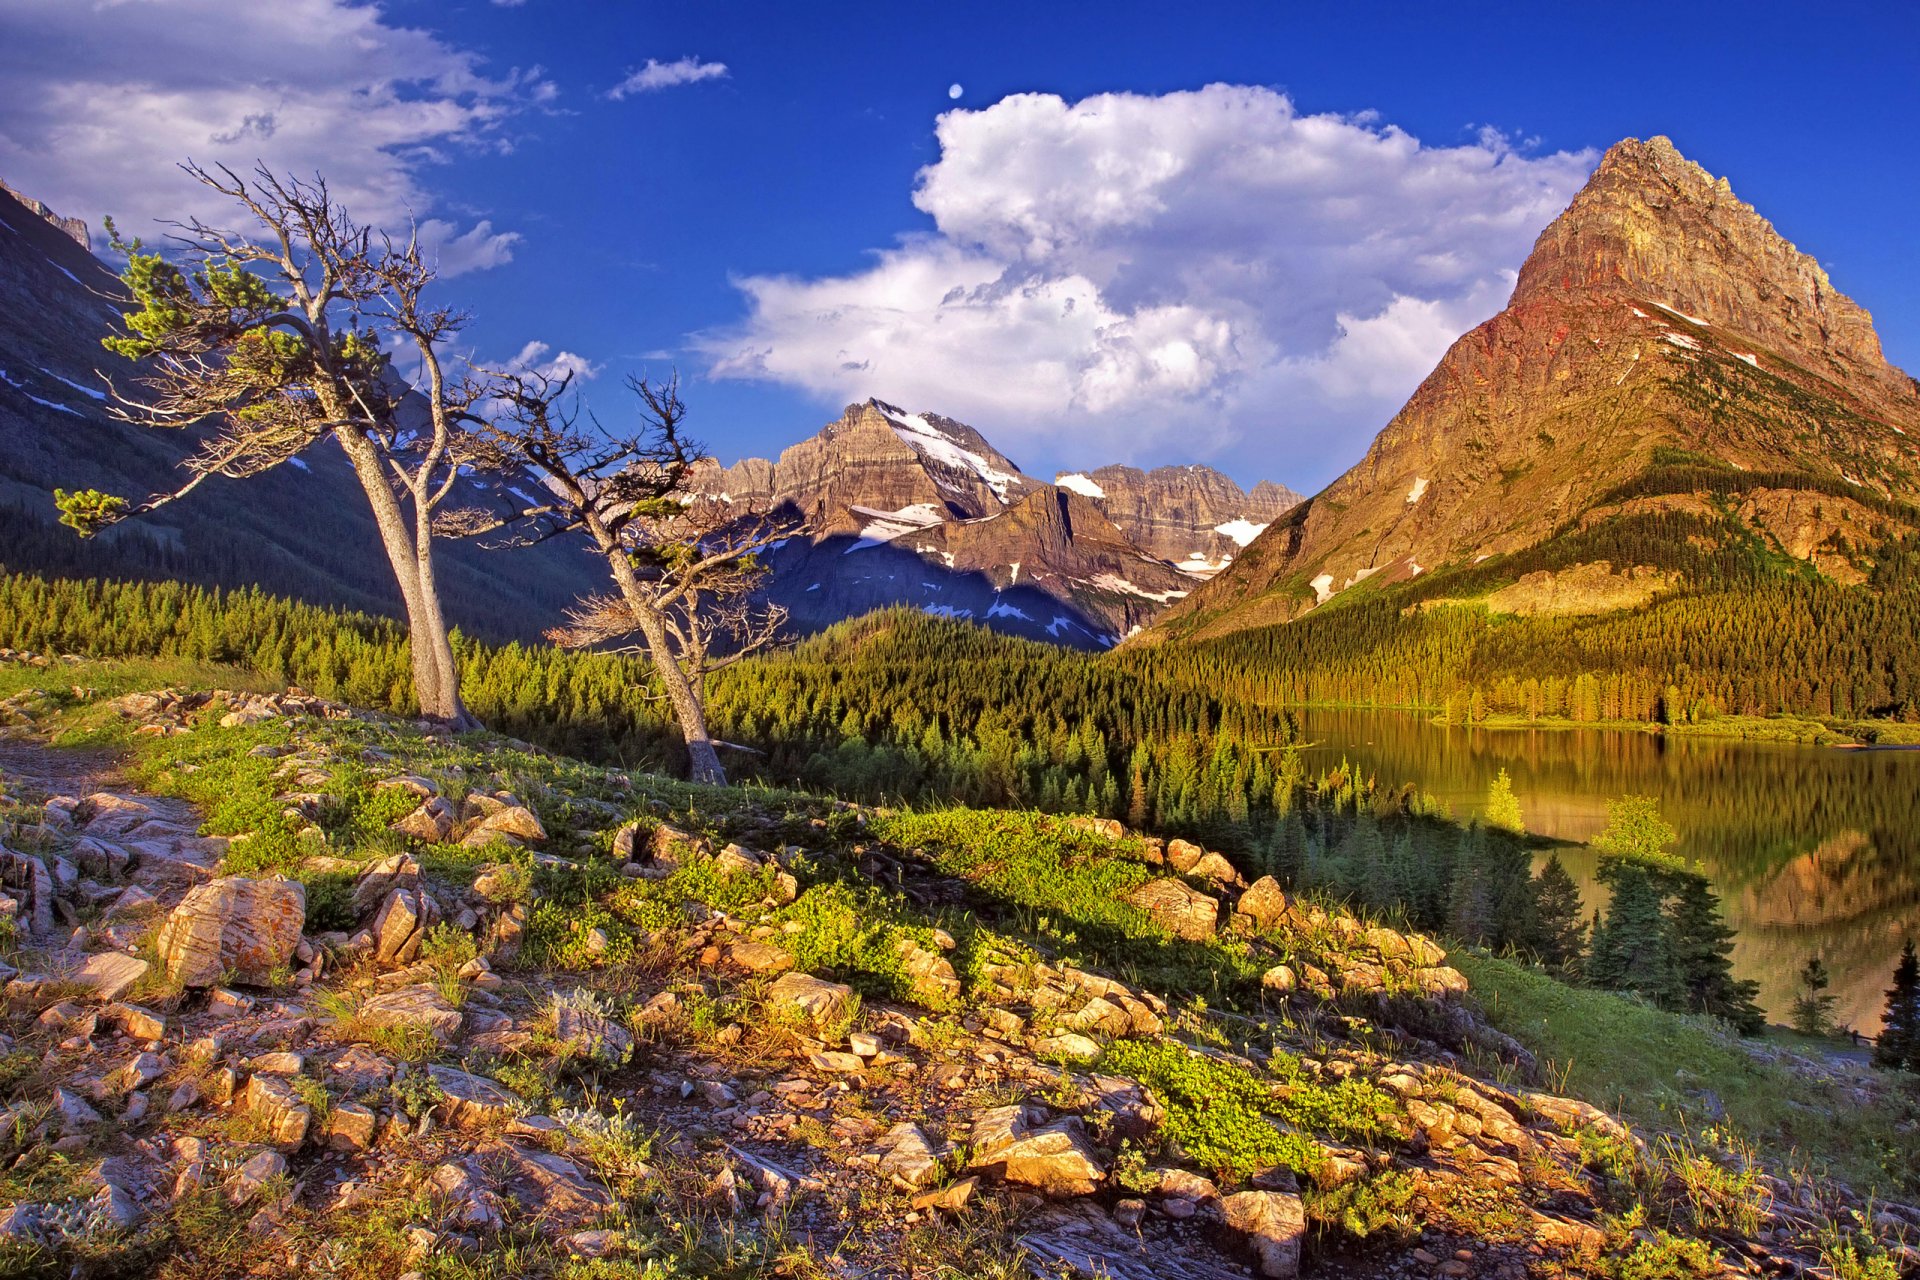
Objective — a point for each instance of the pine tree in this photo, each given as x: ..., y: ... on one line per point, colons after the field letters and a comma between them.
x: 1813, y: 1007
x: 1899, y: 1042
x: 1631, y: 946
x: 1701, y: 945
x: 1560, y: 937
x: 1503, y: 809
x: 1470, y: 900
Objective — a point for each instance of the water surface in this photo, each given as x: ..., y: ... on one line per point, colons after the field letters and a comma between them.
x: 1814, y: 850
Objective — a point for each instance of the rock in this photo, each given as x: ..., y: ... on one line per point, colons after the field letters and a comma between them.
x: 952, y: 1198
x: 516, y: 821
x: 549, y: 1186
x: 273, y: 1102
x: 1261, y: 907
x: 1440, y: 982
x: 756, y: 957
x: 377, y: 882
x: 278, y: 1063
x: 907, y: 1157
x: 820, y: 1003
x: 74, y: 1112
x: 111, y: 975
x: 419, y: 1005
x: 1107, y: 828
x: 138, y: 1023
x: 232, y: 926
x: 1184, y: 912
x: 433, y: 822
x: 27, y: 879
x: 142, y: 1070
x: 472, y: 1101
x: 253, y: 1177
x: 350, y: 1127
x: 401, y: 926
x: 1069, y: 1046
x: 1184, y: 855
x: 1273, y: 1223
x: 1055, y: 1160
x: 933, y: 981
x: 464, y: 1190
x: 133, y: 901
x: 1135, y: 1114
x: 589, y: 1034
x: 1280, y: 978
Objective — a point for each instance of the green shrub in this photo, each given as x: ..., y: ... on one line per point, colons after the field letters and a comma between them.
x: 1217, y: 1113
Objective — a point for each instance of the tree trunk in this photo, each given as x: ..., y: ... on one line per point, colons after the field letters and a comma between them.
x: 703, y: 762
x: 452, y: 710
x: 436, y: 683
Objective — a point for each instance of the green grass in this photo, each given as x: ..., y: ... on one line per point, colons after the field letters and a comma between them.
x: 1668, y: 1071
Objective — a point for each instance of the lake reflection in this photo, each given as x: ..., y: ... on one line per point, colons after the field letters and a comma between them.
x: 1814, y: 851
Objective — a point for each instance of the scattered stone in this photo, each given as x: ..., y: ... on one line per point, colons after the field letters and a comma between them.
x: 233, y: 926
x: 272, y: 1100
x: 1182, y: 911
x: 472, y: 1101
x: 111, y: 975
x: 816, y: 1000
x: 1056, y: 1159
x: 253, y: 1177
x: 1273, y: 1223
x: 907, y: 1157
x: 420, y: 1006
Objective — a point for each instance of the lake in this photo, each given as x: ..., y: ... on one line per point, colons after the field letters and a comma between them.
x: 1814, y: 850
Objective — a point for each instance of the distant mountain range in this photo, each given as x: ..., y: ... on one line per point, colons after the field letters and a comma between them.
x: 301, y: 530
x: 1667, y: 361
x: 917, y: 509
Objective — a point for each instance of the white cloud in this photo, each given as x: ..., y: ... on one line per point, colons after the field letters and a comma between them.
x: 1111, y: 276
x: 656, y: 76
x: 100, y: 102
x: 475, y: 249
x: 534, y: 358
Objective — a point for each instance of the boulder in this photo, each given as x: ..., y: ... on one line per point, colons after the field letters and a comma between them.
x: 549, y: 1187
x: 110, y: 975
x: 253, y: 1177
x: 1273, y: 1224
x: 1261, y: 907
x: 272, y: 1101
x: 472, y: 1101
x: 933, y: 982
x: 1180, y: 910
x: 232, y: 925
x: 1184, y: 855
x: 1054, y: 1159
x: 589, y: 1034
x: 418, y: 1005
x: 907, y: 1157
x: 402, y: 925
x: 516, y: 821
x: 378, y: 881
x: 819, y: 1002
x: 433, y: 822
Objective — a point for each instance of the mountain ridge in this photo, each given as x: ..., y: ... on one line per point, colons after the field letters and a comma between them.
x: 923, y: 510
x: 1658, y: 321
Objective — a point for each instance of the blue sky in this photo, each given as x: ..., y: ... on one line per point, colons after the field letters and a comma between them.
x: 758, y: 228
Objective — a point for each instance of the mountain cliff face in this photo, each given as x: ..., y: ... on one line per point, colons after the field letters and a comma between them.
x: 1664, y: 349
x: 921, y: 510
x: 1192, y: 516
x: 301, y: 529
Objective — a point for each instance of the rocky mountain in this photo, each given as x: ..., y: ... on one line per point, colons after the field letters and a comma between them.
x: 301, y: 529
x: 1665, y: 350
x: 921, y: 510
x: 1192, y: 516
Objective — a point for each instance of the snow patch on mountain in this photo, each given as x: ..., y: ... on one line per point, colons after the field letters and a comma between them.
x: 1080, y: 484
x: 1241, y: 530
x: 1418, y: 491
x: 920, y: 435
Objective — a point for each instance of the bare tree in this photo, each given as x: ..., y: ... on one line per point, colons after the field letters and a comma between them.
x: 277, y: 338
x: 685, y: 567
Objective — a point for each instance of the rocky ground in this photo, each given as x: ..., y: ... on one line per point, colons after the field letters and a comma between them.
x: 388, y: 1003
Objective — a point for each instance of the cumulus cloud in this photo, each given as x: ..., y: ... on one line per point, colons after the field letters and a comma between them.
x: 99, y: 102
x: 656, y: 76
x: 1212, y: 268
x: 535, y: 358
